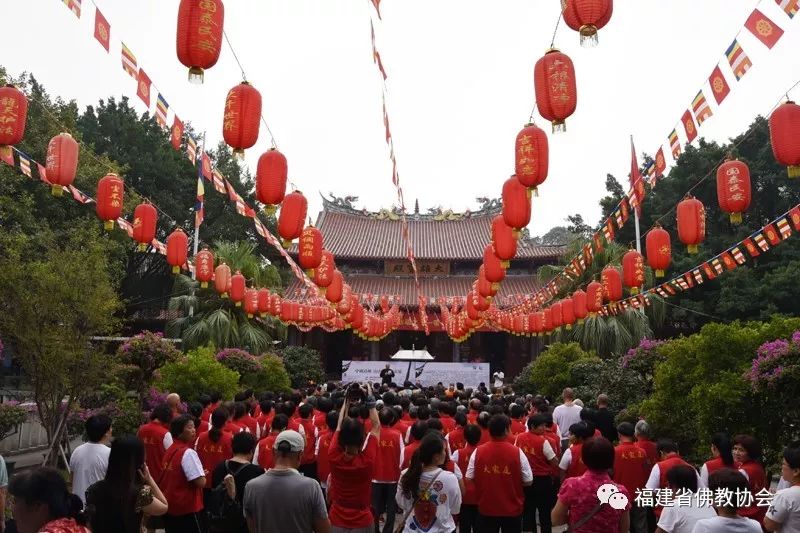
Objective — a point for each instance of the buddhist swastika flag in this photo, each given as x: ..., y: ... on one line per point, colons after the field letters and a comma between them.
x: 689, y: 126
x: 143, y: 88
x: 102, y: 30
x: 763, y: 28
x: 719, y: 86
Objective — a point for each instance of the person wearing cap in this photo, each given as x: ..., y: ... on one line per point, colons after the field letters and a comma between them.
x: 282, y: 499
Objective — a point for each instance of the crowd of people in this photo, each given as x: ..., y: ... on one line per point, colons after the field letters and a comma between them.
x: 381, y: 458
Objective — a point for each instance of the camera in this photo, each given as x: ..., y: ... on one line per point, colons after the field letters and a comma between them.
x: 355, y: 393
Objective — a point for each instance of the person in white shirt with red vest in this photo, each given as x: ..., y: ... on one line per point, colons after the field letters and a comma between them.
x: 542, y: 458
x: 387, y: 471
x: 182, y: 480
x: 669, y: 458
x: 500, y: 470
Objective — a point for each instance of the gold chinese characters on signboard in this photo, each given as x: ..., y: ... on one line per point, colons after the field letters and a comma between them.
x: 424, y: 268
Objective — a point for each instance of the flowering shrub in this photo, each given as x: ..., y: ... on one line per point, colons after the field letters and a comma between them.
x: 239, y: 360
x: 146, y: 352
x: 11, y: 415
x: 776, y: 361
x: 156, y: 397
x: 125, y: 414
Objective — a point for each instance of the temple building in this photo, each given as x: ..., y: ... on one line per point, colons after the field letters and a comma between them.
x: 448, y: 249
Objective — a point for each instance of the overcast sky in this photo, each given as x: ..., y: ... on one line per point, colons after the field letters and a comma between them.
x: 460, y: 85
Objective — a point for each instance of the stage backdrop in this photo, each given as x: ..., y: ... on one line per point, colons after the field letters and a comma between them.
x: 470, y: 374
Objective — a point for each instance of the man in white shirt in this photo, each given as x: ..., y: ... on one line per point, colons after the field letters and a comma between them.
x: 499, y: 376
x: 784, y: 512
x: 89, y: 462
x: 565, y: 415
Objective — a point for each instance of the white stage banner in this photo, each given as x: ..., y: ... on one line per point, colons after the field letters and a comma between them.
x: 470, y: 374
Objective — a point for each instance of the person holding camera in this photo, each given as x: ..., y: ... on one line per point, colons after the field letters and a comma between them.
x: 352, y: 466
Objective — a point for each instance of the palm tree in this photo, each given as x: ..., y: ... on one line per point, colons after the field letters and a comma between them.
x: 208, y: 319
x: 613, y: 334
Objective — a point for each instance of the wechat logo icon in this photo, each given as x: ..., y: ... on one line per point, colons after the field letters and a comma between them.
x: 609, y: 494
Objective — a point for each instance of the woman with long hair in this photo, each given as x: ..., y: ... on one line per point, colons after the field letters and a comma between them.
x: 118, y: 503
x: 42, y: 503
x: 721, y: 457
x: 214, y: 445
x: 428, y: 495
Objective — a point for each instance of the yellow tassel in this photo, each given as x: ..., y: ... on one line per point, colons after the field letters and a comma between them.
x: 204, y: 285
x: 108, y: 225
x: 57, y: 191
x: 176, y: 270
x: 794, y: 171
x: 736, y: 218
x: 692, y: 248
x: 659, y: 273
x: 238, y: 304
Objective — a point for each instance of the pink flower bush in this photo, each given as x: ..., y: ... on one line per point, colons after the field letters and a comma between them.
x: 774, y: 360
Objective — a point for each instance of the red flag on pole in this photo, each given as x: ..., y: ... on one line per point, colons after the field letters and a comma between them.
x: 143, y: 89
x: 102, y: 30
x: 719, y: 86
x: 176, y: 136
x: 763, y: 28
x: 637, y: 183
x: 689, y: 126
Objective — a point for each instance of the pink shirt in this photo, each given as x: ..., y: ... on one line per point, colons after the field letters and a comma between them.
x: 579, y: 494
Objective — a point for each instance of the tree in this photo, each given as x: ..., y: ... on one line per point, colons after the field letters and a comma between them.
x: 197, y: 373
x: 549, y: 373
x: 304, y: 365
x: 146, y: 353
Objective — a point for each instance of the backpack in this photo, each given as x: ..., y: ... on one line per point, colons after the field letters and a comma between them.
x: 224, y: 514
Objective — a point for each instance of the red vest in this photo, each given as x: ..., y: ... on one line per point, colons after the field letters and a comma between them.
x: 555, y: 443
x: 471, y: 495
x: 266, y: 457
x: 498, y: 479
x: 320, y: 419
x: 757, y: 480
x: 532, y: 445
x: 518, y: 427
x: 448, y: 423
x: 232, y: 427
x: 408, y: 452
x: 213, y: 453
x: 712, y: 465
x: 649, y: 448
x: 576, y: 467
x: 631, y: 467
x: 387, y: 463
x: 311, y: 441
x: 323, y: 464
x: 183, y: 497
x: 472, y: 416
x: 152, y: 435
x: 665, y: 466
x: 203, y: 427
x: 456, y: 439
x: 250, y: 423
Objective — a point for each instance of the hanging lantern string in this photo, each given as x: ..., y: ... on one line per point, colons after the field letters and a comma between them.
x: 533, y: 111
x: 555, y: 31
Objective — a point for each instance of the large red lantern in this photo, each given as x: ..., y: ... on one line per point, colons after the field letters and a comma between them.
x: 323, y: 274
x: 485, y: 287
x: 516, y: 203
x: 145, y: 218
x: 199, y: 41
x: 271, y: 175
x: 531, y: 156
x: 579, y: 302
x: 784, y: 132
x: 567, y: 312
x: 547, y: 325
x: 238, y: 286
x: 556, y: 315
x: 633, y: 271
x: 292, y: 218
x: 733, y: 188
x: 177, y: 250
x: 503, y: 240
x: 62, y: 162
x: 536, y: 321
x: 334, y: 291
x: 612, y: 284
x: 659, y: 250
x: 556, y: 91
x: 594, y: 297
x: 222, y: 280
x: 13, y: 116
x: 310, y: 250
x: 691, y: 223
x: 242, y: 118
x: 346, y: 301
x: 204, y: 267
x: 264, y: 302
x: 586, y: 17
x: 493, y: 267
x: 110, y: 195
x: 251, y: 302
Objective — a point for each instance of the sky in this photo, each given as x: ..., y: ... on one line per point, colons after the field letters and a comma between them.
x: 460, y: 86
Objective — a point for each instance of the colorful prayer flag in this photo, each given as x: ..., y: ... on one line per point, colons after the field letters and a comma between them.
x: 738, y: 256
x: 608, y: 231
x: 689, y: 280
x: 102, y: 30
x: 199, y: 210
x: 761, y: 242
x: 25, y: 165
x: 784, y: 228
x: 129, y: 62
x: 772, y: 235
x: 637, y: 184
x: 162, y: 108
x: 791, y: 7
x: 698, y: 276
x: 176, y: 135
x: 42, y: 173
x: 689, y: 126
x: 675, y: 144
x: 598, y: 242
x: 716, y: 264
x: 700, y: 107
x: 728, y: 261
x: 618, y: 217
x: 219, y: 181
x: 719, y: 86
x: 661, y: 163
x: 74, y: 6
x: 143, y: 87
x: 751, y: 247
x: 79, y: 196
x: 763, y: 28
x: 7, y: 155
x: 738, y: 60
x: 191, y: 148
x: 794, y: 215
x: 708, y: 271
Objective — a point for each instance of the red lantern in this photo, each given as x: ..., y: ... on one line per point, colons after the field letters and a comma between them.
x: 516, y: 203
x: 493, y: 267
x: 659, y: 250
x: 323, y: 274
x: 62, y: 162
x: 204, y: 267
x: 532, y: 154
x: 144, y: 225
x: 586, y: 17
x: 556, y: 316
x: 503, y: 240
x: 292, y: 218
x: 633, y: 271
x: 547, y: 325
x: 110, y: 196
x: 472, y: 312
x: 594, y: 297
x: 346, y: 301
x: 567, y: 312
x: 199, y: 39
x: 222, y: 280
x: 251, y: 302
x: 177, y: 250
x: 310, y: 250
x: 556, y: 92
x: 238, y: 285
x: 784, y: 132
x: 612, y: 284
x: 13, y: 116
x: 536, y: 323
x: 481, y: 304
x: 264, y: 302
x: 579, y: 302
x: 271, y: 175
x: 484, y: 287
x: 242, y: 118
x: 733, y: 188
x: 334, y: 292
x: 691, y: 223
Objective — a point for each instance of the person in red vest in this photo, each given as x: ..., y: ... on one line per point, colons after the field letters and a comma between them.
x: 387, y: 470
x: 571, y: 464
x: 174, y: 402
x: 446, y: 412
x: 323, y: 407
x: 668, y: 453
x: 631, y: 469
x: 552, y: 435
x: 469, y: 503
x: 214, y: 403
x: 215, y: 445
x: 265, y: 418
x: 722, y: 457
x: 323, y: 445
x: 308, y: 461
x: 240, y: 416
x: 475, y: 408
x: 263, y: 455
x: 644, y: 441
x: 247, y: 419
x: 483, y: 422
x: 196, y: 410
x: 182, y: 480
x: 418, y: 431
x: 518, y: 422
x: 500, y: 472
x: 747, y: 453
x: 542, y: 458
x: 456, y: 438
x: 156, y: 438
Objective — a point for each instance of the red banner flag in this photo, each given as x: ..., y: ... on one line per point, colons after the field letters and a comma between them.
x: 42, y: 173
x: 206, y: 166
x: 143, y: 88
x: 751, y: 248
x: 719, y: 86
x: 102, y: 30
x: 772, y: 234
x: 7, y: 155
x: 794, y: 216
x: 763, y: 28
x: 176, y: 135
x: 661, y: 163
x: 689, y: 126
x: 637, y: 183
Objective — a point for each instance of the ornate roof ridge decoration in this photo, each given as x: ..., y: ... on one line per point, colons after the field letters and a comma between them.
x: 487, y: 207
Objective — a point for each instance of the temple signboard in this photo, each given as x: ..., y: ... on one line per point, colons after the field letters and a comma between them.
x: 402, y: 267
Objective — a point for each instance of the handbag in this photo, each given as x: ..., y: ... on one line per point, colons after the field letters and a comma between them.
x: 402, y: 524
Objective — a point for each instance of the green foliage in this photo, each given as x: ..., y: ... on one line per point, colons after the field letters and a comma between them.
x: 271, y: 376
x: 197, y: 373
x: 303, y: 364
x: 550, y: 373
x: 11, y: 416
x: 146, y: 353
